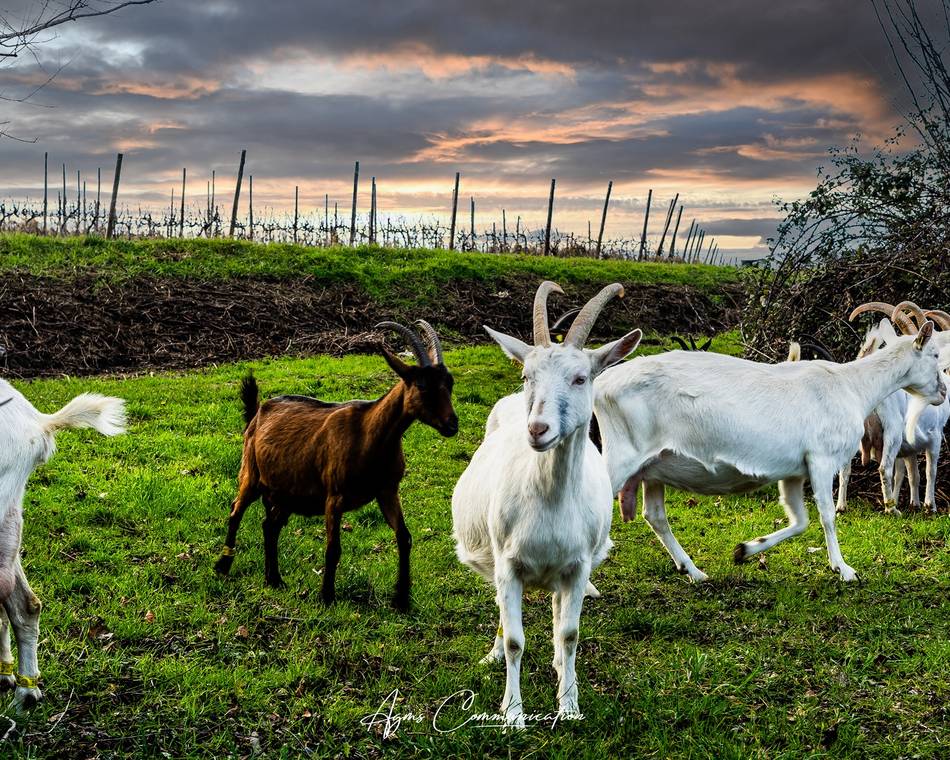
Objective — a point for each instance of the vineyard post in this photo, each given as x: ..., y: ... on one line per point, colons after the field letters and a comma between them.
x: 676, y: 228
x: 372, y: 212
x: 115, y: 195
x: 455, y: 204
x: 84, y: 217
x: 62, y: 218
x: 78, y: 202
x: 504, y: 232
x: 326, y: 218
x: 474, y: 239
x: 45, y: 189
x: 689, y: 240
x: 646, y: 220
x: 237, y: 194
x: 666, y: 227
x: 181, y: 214
x: 213, y: 209
x: 250, y: 205
x: 356, y: 182
x: 547, y: 227
x: 95, y: 221
x: 603, y: 218
x: 296, y: 209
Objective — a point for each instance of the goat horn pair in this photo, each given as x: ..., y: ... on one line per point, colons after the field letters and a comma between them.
x: 896, y: 316
x: 433, y: 344
x: 412, y: 338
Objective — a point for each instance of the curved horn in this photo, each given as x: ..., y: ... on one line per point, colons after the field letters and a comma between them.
x: 916, y: 312
x: 433, y: 343
x: 680, y: 341
x: 542, y: 335
x: 577, y: 335
x: 940, y: 317
x: 819, y: 350
x: 412, y: 338
x: 900, y: 318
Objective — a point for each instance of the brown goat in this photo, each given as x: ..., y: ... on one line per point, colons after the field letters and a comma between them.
x: 310, y: 457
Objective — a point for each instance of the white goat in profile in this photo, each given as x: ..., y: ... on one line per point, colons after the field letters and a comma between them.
x: 715, y: 424
x: 902, y: 426
x: 534, y: 506
x: 27, y: 441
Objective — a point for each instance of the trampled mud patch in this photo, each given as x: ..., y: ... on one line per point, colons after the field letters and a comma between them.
x: 89, y: 325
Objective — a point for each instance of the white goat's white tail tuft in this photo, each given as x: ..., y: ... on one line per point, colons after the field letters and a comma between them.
x: 89, y: 410
x: 794, y: 352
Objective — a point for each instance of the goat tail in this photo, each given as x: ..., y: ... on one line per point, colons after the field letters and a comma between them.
x: 104, y: 414
x: 794, y: 352
x: 250, y: 397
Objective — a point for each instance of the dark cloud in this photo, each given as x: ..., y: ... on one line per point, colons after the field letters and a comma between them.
x: 510, y: 94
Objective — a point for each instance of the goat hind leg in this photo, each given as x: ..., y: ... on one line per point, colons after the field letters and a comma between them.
x: 844, y: 477
x: 334, y: 511
x: 247, y: 495
x: 7, y: 668
x: 497, y: 653
x: 932, y: 456
x: 23, y: 610
x: 274, y: 521
x: 654, y: 512
x: 791, y: 493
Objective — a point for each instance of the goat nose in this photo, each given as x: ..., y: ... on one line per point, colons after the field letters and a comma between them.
x: 537, y: 429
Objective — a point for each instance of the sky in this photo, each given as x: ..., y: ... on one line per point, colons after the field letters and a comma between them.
x: 732, y: 105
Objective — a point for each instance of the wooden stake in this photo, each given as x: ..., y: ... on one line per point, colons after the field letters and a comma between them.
x: 296, y: 212
x: 250, y: 205
x: 646, y: 219
x: 547, y: 227
x: 181, y: 215
x: 372, y: 212
x: 356, y: 182
x: 237, y: 194
x: 45, y: 189
x: 603, y: 218
x: 666, y: 226
x: 504, y: 231
x: 474, y: 244
x: 110, y: 230
x: 455, y: 204
x: 675, y: 230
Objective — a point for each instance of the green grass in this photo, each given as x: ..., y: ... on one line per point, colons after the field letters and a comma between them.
x: 378, y: 270
x: 145, y: 651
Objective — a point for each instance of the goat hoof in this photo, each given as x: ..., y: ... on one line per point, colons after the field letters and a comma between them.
x: 328, y: 597
x: 277, y: 582
x: 740, y: 554
x: 698, y: 577
x: 401, y: 603
x: 7, y: 683
x: 26, y: 699
x: 223, y: 565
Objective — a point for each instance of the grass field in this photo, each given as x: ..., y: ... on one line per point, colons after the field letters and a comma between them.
x: 375, y: 268
x: 145, y: 652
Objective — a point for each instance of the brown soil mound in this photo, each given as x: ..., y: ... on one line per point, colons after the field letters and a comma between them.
x: 87, y: 326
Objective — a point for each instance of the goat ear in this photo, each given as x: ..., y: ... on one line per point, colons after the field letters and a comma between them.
x: 886, y: 331
x: 398, y: 365
x: 513, y: 347
x: 612, y: 353
x: 924, y: 334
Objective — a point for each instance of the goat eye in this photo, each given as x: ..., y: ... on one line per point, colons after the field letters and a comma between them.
x: 580, y: 380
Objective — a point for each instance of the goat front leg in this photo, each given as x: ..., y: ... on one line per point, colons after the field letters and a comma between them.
x: 791, y: 493
x: 566, y: 635
x: 654, y: 512
x: 844, y: 477
x: 334, y: 511
x: 7, y: 668
x: 932, y: 456
x: 555, y: 628
x: 509, y: 589
x: 821, y: 477
x: 392, y: 510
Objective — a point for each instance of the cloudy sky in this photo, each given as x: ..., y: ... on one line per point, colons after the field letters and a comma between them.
x: 732, y: 104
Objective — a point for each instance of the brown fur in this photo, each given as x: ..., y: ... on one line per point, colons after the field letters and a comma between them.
x: 310, y: 457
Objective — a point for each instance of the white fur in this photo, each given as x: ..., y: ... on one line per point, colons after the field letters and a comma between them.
x: 909, y: 426
x: 27, y: 441
x: 535, y: 510
x: 715, y: 424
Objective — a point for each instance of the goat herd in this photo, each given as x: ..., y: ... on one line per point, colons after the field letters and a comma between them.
x: 534, y: 506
